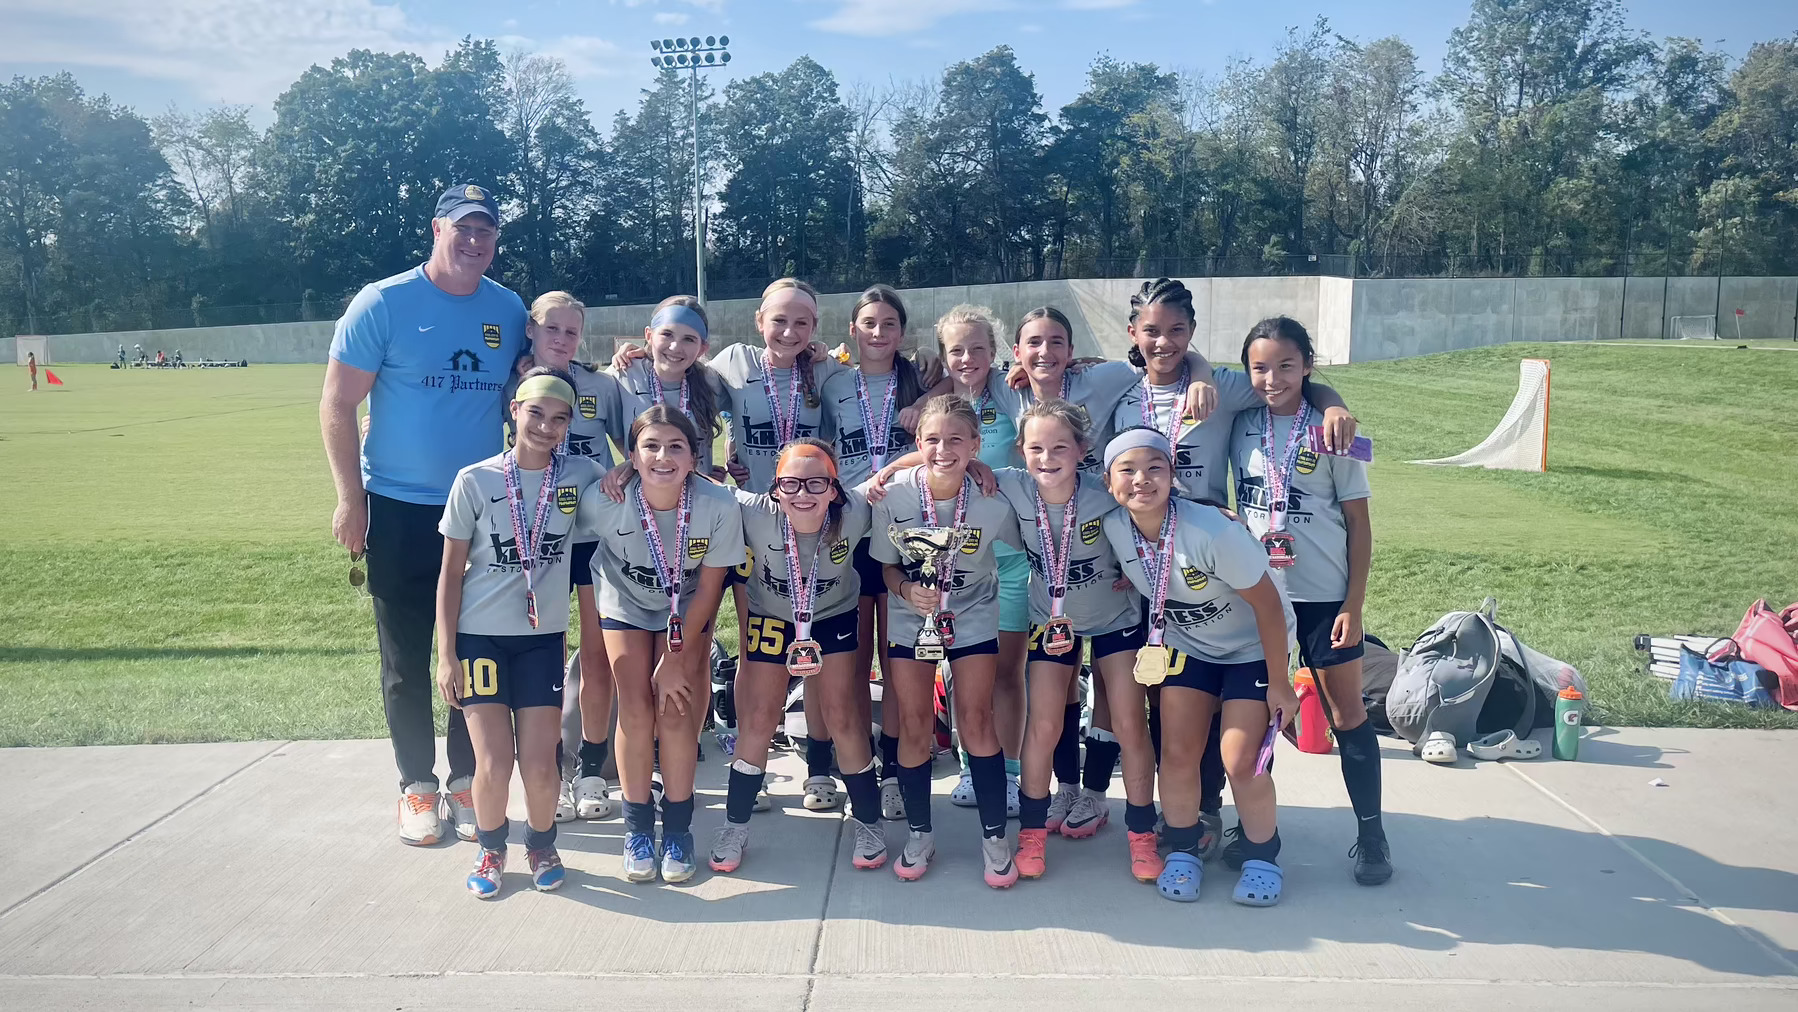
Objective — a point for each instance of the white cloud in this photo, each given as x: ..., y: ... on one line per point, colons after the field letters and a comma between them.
x: 875, y: 18
x: 236, y: 50
x: 670, y: 18
x: 1096, y: 5
x: 587, y: 55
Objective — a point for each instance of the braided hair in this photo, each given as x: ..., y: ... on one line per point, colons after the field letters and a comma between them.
x: 1161, y: 291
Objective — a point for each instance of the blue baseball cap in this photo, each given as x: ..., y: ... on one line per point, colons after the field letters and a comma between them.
x: 464, y: 199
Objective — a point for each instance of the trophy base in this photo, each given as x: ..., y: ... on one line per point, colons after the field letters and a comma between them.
x: 929, y: 645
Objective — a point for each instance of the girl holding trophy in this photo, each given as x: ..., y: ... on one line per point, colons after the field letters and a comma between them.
x: 935, y: 535
x: 803, y: 589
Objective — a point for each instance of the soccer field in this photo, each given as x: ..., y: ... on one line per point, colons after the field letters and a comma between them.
x: 169, y: 573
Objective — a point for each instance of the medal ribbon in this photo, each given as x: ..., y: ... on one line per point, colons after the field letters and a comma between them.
x: 1057, y: 565
x: 1278, y: 473
x: 1159, y: 572
x: 670, y: 575
x: 785, y: 428
x: 802, y: 591
x: 660, y: 396
x: 529, y: 541
x: 927, y: 509
x: 1172, y: 432
x: 877, y: 436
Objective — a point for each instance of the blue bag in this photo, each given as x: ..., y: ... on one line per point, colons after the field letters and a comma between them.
x: 1731, y: 680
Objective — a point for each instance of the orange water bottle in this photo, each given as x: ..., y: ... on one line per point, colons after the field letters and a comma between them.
x: 1314, y: 727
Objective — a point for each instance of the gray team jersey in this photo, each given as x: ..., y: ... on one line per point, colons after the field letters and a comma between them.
x: 751, y: 417
x: 1202, y: 452
x: 842, y: 408
x: 1092, y: 605
x: 1321, y: 483
x: 838, y: 587
x: 974, y: 593
x: 636, y: 392
x: 1213, y: 559
x: 595, y: 418
x: 493, y: 585
x: 629, y: 588
x: 1098, y: 388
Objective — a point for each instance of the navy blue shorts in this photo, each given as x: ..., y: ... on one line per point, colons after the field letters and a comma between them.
x: 871, y: 570
x: 767, y: 639
x: 906, y: 653
x: 580, y: 563
x: 1104, y: 645
x: 619, y: 625
x: 1247, y: 680
x: 513, y: 671
x: 1314, y: 621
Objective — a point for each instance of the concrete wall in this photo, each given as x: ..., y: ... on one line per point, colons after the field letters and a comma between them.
x: 1352, y: 320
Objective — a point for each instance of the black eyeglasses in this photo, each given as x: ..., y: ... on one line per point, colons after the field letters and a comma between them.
x: 816, y: 486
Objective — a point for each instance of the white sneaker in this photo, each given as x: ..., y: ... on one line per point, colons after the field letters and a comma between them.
x: 728, y: 847
x: 870, y: 844
x: 821, y: 794
x: 1011, y: 797
x: 593, y: 798
x: 915, y: 860
x: 963, y: 795
x: 1059, y: 805
x: 565, y: 803
x: 459, y: 798
x: 1001, y: 870
x: 892, y: 800
x: 419, y: 825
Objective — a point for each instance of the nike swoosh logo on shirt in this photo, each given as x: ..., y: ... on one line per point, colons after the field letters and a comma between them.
x: 624, y: 534
x: 499, y: 498
x: 423, y: 330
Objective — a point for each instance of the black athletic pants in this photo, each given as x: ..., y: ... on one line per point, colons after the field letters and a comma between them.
x: 405, y: 553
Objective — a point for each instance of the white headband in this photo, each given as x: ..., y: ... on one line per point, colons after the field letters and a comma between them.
x: 1131, y: 439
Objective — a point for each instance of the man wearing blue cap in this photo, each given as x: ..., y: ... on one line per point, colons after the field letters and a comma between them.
x: 430, y: 350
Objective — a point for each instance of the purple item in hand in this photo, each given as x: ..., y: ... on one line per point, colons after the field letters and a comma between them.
x: 1361, y: 449
x: 1266, y: 758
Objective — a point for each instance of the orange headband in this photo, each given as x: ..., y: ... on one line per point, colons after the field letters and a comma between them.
x: 805, y: 450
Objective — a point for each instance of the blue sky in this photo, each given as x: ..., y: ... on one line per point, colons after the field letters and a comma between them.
x: 148, y: 53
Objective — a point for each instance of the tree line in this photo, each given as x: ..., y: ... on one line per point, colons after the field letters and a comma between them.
x: 1556, y: 140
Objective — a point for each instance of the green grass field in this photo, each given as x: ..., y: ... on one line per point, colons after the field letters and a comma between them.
x: 170, y: 576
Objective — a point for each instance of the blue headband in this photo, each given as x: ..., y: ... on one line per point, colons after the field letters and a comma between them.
x: 1133, y: 439
x: 683, y: 315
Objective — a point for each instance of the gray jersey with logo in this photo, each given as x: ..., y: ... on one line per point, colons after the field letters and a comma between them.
x: 630, y: 590
x: 1214, y: 557
x: 974, y: 591
x: 1098, y: 388
x: 770, y: 587
x: 595, y: 418
x: 1202, y: 451
x: 843, y: 407
x: 747, y: 394
x: 1092, y: 605
x: 1321, y: 483
x: 493, y: 585
x: 636, y: 390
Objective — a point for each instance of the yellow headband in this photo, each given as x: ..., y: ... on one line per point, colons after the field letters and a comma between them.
x: 545, y: 386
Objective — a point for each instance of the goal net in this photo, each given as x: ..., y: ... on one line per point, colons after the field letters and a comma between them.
x: 26, y: 344
x: 1520, y: 443
x: 1692, y: 328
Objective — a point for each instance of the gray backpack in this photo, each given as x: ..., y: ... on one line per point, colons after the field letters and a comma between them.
x: 1470, y: 676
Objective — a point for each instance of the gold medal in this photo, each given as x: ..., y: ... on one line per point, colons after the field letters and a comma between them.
x: 805, y: 659
x: 1151, y: 664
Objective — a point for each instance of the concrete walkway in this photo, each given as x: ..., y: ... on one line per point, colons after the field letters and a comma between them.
x: 266, y: 874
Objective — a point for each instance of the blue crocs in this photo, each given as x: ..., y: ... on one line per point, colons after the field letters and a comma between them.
x: 1180, y: 877
x: 1259, y: 885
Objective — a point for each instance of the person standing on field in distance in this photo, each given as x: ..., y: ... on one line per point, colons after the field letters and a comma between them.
x: 430, y: 350
x: 31, y: 364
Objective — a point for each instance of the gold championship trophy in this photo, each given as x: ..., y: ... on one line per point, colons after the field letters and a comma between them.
x: 932, y: 548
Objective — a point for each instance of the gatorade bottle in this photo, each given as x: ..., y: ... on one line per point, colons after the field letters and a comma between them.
x: 1570, y: 710
x: 1314, y: 726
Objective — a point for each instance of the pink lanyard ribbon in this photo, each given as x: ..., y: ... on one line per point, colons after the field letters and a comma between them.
x: 802, y: 591
x: 927, y: 510
x: 1278, y: 473
x: 1056, y: 564
x: 878, y: 437
x: 787, y: 426
x: 529, y: 542
x: 670, y: 575
x: 1163, y: 554
x: 1174, y: 413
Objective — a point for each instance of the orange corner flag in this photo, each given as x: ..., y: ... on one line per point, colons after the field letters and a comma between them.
x: 52, y: 378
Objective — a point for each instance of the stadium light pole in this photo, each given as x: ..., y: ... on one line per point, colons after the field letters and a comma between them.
x: 694, y: 54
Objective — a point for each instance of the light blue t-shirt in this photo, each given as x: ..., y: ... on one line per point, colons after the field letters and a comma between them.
x: 440, y: 363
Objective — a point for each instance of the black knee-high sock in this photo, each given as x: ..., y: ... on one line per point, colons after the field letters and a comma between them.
x: 1033, y: 813
x: 1067, y: 747
x: 819, y: 754
x: 677, y: 816
x: 739, y: 798
x: 864, y: 793
x: 1211, y: 768
x: 988, y: 774
x: 914, y: 784
x: 1155, y: 733
x: 593, y: 758
x: 640, y: 817
x: 1102, y: 751
x: 1360, y: 749
x: 889, y: 755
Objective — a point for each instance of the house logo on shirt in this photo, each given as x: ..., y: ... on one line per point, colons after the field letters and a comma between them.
x: 465, y: 361
x: 589, y: 406
x: 1089, y: 532
x: 490, y: 335
x: 1195, y: 579
x: 505, y: 551
x: 761, y: 435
